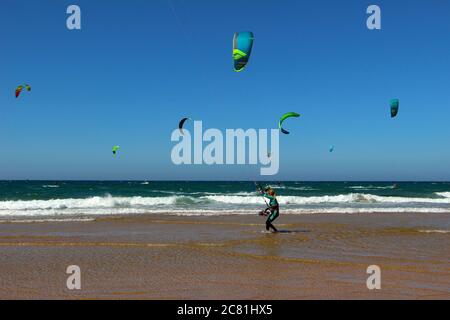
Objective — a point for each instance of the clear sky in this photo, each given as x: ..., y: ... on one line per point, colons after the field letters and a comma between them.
x: 137, y: 67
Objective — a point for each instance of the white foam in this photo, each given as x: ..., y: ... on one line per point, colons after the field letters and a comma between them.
x: 219, y: 204
x: 299, y: 188
x: 58, y: 214
x: 93, y: 202
x: 353, y: 210
x: 343, y: 198
x: 435, y: 231
x: 370, y: 187
x: 443, y: 194
x: 48, y: 220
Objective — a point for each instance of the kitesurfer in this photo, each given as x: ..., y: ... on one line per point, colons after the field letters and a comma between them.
x: 273, y: 207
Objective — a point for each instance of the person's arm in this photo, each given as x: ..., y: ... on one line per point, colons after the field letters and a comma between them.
x: 268, y: 196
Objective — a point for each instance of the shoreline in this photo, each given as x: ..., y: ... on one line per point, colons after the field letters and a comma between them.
x: 213, y: 214
x: 316, y: 256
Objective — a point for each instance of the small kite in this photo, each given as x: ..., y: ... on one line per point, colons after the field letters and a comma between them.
x: 20, y: 88
x: 242, y: 48
x: 284, y: 117
x: 331, y: 148
x: 115, y: 149
x: 395, y: 104
x: 180, y: 125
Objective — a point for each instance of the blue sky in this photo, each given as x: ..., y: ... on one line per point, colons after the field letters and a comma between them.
x: 137, y: 67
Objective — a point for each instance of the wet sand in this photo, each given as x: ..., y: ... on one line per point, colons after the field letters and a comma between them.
x: 322, y: 256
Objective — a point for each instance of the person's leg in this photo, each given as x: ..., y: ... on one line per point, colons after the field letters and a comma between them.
x: 268, y: 224
x: 271, y: 218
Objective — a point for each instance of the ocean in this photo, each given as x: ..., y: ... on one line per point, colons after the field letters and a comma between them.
x: 49, y: 200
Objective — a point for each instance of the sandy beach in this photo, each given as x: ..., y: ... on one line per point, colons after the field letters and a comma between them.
x: 322, y: 256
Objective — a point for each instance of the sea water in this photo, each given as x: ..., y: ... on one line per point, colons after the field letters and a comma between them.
x: 82, y: 199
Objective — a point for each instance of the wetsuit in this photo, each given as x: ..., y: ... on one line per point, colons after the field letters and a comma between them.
x: 274, y: 212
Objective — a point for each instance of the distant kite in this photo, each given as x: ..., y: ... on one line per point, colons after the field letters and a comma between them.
x: 115, y: 149
x: 331, y: 148
x: 242, y: 48
x: 20, y: 88
x: 395, y: 104
x: 284, y: 117
x: 181, y: 124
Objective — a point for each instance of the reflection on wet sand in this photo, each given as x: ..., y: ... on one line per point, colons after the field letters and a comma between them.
x: 228, y: 257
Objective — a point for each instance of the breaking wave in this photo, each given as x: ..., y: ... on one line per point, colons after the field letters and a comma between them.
x: 210, y: 204
x: 344, y: 198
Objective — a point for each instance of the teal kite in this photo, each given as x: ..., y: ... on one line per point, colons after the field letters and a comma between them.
x: 395, y: 103
x: 242, y: 48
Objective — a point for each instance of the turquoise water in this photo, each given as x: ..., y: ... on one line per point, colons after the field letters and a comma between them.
x: 86, y: 198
